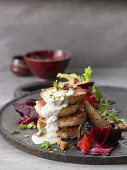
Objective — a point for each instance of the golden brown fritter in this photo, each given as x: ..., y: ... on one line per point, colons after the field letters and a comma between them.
x: 79, y: 95
x: 68, y: 121
x: 68, y: 132
x: 73, y: 120
x: 66, y: 111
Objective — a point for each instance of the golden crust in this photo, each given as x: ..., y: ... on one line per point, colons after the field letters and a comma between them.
x: 66, y: 111
x: 68, y: 121
x: 73, y: 120
x: 69, y: 132
x: 65, y: 133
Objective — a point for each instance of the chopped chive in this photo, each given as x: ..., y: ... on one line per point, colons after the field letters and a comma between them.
x: 23, y: 126
x: 25, y: 136
x: 14, y: 132
x: 45, y: 144
x: 30, y: 125
x: 42, y: 128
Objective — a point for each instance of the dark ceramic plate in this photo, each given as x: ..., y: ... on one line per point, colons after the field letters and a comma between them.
x: 9, y: 118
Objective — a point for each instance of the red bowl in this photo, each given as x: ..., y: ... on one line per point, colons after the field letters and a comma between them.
x: 19, y: 67
x: 46, y: 64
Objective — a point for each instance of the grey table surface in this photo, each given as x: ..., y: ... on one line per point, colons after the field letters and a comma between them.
x: 11, y: 158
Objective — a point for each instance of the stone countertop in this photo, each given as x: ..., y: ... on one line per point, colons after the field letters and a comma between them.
x: 11, y: 158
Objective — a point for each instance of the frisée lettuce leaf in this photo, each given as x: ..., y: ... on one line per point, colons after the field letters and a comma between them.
x: 84, y: 78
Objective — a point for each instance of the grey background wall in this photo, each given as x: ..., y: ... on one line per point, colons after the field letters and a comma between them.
x: 94, y: 31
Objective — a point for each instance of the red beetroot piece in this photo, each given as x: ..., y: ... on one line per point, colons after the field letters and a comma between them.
x: 90, y: 96
x: 101, y: 140
x: 102, y: 151
x: 84, y: 144
x: 27, y: 113
x: 105, y: 136
x: 85, y: 85
x: 31, y: 102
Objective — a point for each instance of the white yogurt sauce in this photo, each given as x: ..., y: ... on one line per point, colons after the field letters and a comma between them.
x: 56, y: 100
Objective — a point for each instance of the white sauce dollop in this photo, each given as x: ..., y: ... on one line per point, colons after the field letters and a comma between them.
x: 56, y: 100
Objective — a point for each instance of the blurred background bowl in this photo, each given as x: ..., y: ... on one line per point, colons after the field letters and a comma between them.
x: 46, y: 64
x: 19, y: 67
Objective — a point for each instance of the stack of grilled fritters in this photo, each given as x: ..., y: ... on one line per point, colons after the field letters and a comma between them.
x: 70, y: 117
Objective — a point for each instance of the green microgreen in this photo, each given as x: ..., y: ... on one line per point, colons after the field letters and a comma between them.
x: 25, y: 136
x: 14, y: 132
x: 30, y: 125
x: 51, y: 95
x: 105, y: 111
x: 45, y: 144
x: 56, y: 150
x: 55, y: 84
x: 65, y: 96
x: 97, y: 93
x: 23, y: 126
x: 42, y: 128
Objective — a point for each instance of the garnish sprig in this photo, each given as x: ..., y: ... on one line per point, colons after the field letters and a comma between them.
x: 55, y: 84
x: 45, y: 144
x: 29, y: 126
x: 105, y: 111
x: 84, y: 78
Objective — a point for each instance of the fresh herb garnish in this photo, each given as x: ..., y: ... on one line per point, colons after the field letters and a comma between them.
x: 42, y: 128
x: 65, y: 96
x: 25, y: 136
x: 87, y: 74
x: 30, y: 125
x: 14, y: 132
x: 55, y: 84
x: 45, y: 144
x: 105, y: 111
x: 84, y: 78
x: 97, y: 92
x: 51, y: 95
x: 56, y: 150
x: 23, y: 126
x: 114, y: 117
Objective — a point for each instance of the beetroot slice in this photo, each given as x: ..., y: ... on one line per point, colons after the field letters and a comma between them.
x: 105, y: 136
x: 24, y: 109
x: 90, y: 97
x: 31, y: 102
x: 86, y: 85
x: 28, y: 119
x: 104, y: 140
x: 27, y: 113
x: 101, y: 151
